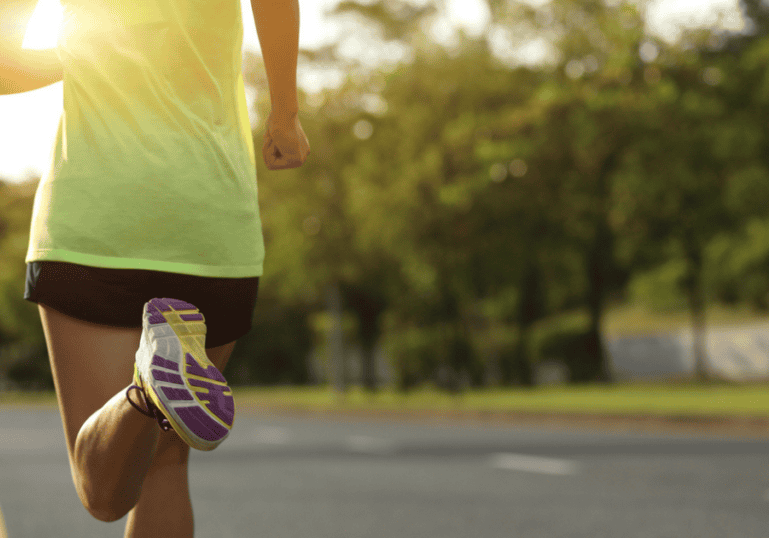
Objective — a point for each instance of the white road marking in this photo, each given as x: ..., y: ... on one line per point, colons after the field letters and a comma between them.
x: 533, y: 464
x: 271, y: 435
x: 370, y: 445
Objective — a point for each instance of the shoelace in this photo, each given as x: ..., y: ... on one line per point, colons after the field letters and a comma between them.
x: 152, y: 410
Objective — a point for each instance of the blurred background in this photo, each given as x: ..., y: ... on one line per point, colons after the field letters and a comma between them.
x: 500, y: 193
x: 509, y: 206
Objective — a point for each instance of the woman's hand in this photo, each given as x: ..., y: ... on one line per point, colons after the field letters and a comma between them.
x: 285, y: 144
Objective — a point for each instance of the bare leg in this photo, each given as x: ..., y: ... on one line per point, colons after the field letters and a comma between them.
x: 3, y: 532
x: 113, y: 452
x: 164, y: 509
x: 91, y: 365
x: 111, y: 445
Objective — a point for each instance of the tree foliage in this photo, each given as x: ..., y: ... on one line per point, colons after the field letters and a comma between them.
x: 478, y: 217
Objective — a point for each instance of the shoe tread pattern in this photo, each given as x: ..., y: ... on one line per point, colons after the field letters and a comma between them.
x: 177, y: 329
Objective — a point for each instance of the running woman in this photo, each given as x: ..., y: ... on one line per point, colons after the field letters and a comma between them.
x: 146, y: 248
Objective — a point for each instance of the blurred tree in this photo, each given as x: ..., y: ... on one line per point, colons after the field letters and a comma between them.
x: 681, y: 210
x: 20, y: 326
x: 389, y: 212
x: 756, y: 15
x: 276, y: 351
x: 573, y: 135
x: 477, y: 214
x: 430, y: 178
x: 736, y: 65
x: 433, y: 190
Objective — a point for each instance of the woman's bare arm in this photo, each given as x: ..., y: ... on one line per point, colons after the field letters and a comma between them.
x: 23, y: 70
x: 277, y: 26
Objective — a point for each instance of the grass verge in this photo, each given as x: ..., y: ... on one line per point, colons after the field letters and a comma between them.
x: 630, y: 320
x: 689, y: 400
x: 680, y: 400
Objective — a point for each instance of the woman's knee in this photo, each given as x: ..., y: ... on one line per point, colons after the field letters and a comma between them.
x: 171, y: 456
x: 102, y: 507
x: 108, y: 514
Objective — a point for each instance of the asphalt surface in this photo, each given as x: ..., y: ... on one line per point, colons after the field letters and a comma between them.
x: 288, y: 477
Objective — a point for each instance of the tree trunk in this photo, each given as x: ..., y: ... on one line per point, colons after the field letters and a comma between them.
x: 530, y: 310
x: 336, y: 338
x: 598, y: 266
x: 523, y: 372
x: 368, y: 310
x: 368, y: 368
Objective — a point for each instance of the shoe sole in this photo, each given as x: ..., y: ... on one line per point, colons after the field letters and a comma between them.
x: 178, y: 376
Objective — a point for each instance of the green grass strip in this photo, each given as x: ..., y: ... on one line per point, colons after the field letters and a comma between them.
x: 638, y: 399
x: 28, y: 398
x: 662, y: 399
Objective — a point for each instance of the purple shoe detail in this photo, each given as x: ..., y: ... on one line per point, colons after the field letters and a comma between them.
x: 220, y: 404
x: 160, y: 375
x: 210, y: 372
x: 157, y: 306
x: 157, y: 360
x: 176, y: 304
x: 156, y: 317
x: 176, y: 394
x: 201, y: 424
x: 160, y: 304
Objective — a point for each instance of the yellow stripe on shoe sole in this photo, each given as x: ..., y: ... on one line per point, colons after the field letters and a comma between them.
x: 175, y: 362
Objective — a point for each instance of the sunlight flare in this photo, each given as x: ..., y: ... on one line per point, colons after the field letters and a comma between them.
x: 44, y: 26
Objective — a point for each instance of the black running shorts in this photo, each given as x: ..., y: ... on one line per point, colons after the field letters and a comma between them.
x: 116, y: 297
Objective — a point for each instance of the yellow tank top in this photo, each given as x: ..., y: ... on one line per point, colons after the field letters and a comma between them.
x: 153, y: 165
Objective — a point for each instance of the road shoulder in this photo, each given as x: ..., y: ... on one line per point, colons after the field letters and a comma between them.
x: 746, y: 427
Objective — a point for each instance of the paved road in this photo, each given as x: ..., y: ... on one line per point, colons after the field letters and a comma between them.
x: 288, y: 478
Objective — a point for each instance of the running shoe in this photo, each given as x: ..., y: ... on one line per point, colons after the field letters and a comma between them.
x: 181, y: 387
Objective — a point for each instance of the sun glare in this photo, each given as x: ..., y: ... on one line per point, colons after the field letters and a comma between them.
x: 44, y: 25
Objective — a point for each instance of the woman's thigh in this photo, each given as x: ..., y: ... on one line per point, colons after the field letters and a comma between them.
x: 90, y: 364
